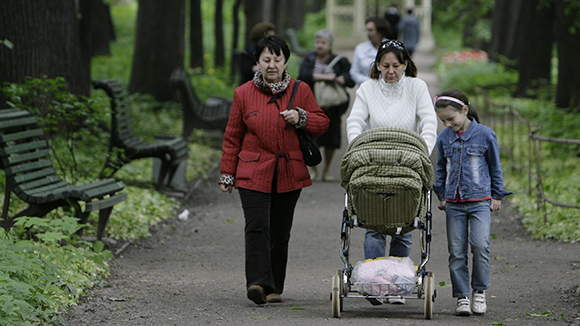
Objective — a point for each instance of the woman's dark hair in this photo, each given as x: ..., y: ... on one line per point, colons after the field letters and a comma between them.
x: 276, y: 44
x: 259, y: 30
x: 459, y: 95
x: 400, y: 51
x: 382, y: 25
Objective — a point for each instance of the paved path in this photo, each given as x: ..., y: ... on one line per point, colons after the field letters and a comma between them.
x: 192, y: 272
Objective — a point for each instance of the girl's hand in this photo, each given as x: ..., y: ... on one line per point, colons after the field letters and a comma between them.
x: 495, y: 205
x: 227, y: 188
x: 441, y: 205
x: 341, y: 80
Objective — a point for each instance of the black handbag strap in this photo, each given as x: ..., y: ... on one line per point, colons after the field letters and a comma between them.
x: 293, y: 93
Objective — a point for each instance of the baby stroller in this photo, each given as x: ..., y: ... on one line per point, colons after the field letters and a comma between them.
x: 387, y: 175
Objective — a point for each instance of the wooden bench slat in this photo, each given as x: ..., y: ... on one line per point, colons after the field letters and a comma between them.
x: 106, y: 203
x: 21, y: 135
x: 102, y: 191
x: 21, y: 122
x: 78, y: 190
x: 12, y: 113
x: 34, y: 165
x: 17, y: 159
x: 40, y: 190
x: 31, y: 176
x: 24, y: 147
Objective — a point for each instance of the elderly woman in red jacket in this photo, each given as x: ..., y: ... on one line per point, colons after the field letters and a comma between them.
x: 262, y: 159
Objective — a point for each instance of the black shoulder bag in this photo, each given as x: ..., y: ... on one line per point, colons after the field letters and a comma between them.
x: 310, y: 151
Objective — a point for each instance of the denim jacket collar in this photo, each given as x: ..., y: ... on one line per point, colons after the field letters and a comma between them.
x: 467, y: 134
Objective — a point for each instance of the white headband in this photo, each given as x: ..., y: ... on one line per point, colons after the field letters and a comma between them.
x: 448, y: 98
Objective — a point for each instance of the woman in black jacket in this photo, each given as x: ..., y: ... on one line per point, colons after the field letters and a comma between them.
x: 323, y: 65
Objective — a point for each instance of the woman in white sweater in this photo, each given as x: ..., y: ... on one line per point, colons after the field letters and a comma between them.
x: 393, y: 97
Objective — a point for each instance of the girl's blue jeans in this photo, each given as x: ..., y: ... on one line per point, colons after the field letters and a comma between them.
x: 375, y: 243
x: 468, y: 223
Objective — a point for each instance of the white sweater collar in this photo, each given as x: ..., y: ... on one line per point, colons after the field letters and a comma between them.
x: 392, y: 90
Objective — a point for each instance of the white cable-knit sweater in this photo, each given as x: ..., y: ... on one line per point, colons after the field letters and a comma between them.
x: 405, y: 104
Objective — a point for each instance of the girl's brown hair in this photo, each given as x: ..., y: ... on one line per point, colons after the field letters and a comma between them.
x: 459, y: 95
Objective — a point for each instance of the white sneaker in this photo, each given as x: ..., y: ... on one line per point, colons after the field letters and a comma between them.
x: 479, y: 304
x: 396, y: 299
x: 463, y: 308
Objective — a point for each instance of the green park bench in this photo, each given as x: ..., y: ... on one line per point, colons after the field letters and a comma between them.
x: 211, y: 115
x: 30, y: 175
x: 125, y: 145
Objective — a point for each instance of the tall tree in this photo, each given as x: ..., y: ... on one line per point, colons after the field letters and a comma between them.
x: 315, y: 5
x: 97, y: 30
x: 504, y: 23
x: 255, y: 11
x: 196, y: 36
x: 534, y: 45
x: 235, y: 40
x: 568, y: 36
x: 220, y: 59
x: 159, y: 46
x: 288, y: 14
x: 46, y: 42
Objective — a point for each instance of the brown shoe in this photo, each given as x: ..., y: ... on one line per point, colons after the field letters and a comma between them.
x: 273, y: 297
x: 256, y: 294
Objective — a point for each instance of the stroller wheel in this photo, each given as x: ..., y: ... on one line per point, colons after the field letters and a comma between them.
x: 429, y: 285
x: 336, y: 294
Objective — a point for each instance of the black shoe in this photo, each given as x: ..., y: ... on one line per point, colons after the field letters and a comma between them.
x: 256, y: 294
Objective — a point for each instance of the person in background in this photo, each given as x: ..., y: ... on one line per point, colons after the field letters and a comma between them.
x: 261, y: 157
x: 393, y: 17
x: 469, y: 185
x: 248, y: 66
x: 364, y: 53
x: 393, y: 97
x: 410, y: 28
x: 312, y: 69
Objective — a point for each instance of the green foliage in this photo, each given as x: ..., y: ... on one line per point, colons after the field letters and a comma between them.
x: 471, y: 15
x: 313, y: 22
x: 68, y: 122
x: 460, y: 12
x: 40, y: 279
x: 468, y: 76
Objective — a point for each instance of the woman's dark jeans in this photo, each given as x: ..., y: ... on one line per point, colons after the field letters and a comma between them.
x: 267, y: 233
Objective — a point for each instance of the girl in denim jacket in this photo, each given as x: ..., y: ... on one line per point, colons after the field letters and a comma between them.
x: 469, y: 185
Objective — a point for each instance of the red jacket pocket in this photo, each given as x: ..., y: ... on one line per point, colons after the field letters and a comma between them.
x: 247, y: 164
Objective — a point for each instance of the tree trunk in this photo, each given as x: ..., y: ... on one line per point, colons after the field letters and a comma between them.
x: 235, y: 43
x: 289, y: 14
x: 159, y: 47
x: 196, y: 37
x: 220, y: 59
x: 568, y: 89
x: 46, y: 39
x: 504, y: 23
x: 97, y: 28
x: 534, y: 45
x: 316, y: 5
x: 254, y: 10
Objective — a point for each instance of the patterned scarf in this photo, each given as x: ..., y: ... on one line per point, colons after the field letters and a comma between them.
x: 274, y: 88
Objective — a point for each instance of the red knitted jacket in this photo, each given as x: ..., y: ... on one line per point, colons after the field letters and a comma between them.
x: 256, y: 140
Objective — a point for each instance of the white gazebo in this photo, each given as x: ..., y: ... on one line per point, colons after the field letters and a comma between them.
x: 346, y: 20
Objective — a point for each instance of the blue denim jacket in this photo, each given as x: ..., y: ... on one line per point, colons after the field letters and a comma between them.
x: 469, y: 163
